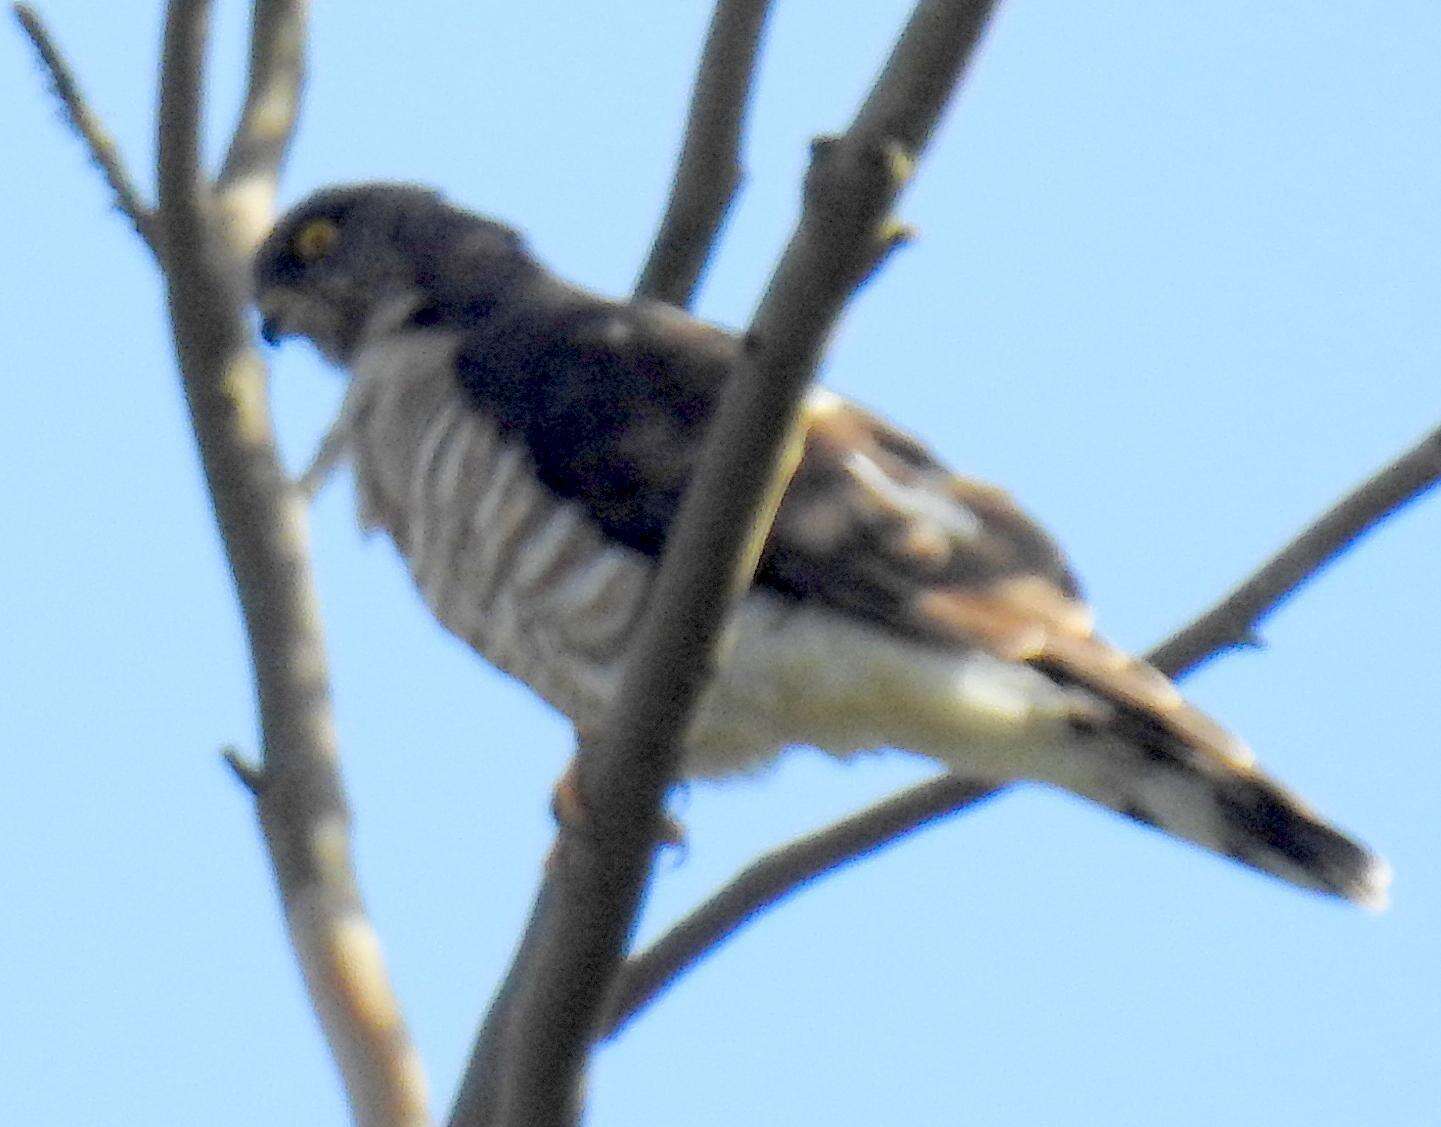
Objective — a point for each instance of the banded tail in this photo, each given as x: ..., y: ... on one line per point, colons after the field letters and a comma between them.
x: 1239, y: 813
x: 1158, y: 760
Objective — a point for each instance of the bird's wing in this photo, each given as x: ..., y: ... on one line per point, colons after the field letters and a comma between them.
x: 875, y: 525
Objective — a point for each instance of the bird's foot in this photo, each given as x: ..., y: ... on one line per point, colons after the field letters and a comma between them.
x: 568, y: 807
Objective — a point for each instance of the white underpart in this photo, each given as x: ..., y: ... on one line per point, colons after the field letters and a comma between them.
x: 530, y: 582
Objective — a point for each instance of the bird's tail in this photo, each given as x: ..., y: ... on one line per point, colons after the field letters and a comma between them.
x: 1238, y: 812
x: 1151, y: 756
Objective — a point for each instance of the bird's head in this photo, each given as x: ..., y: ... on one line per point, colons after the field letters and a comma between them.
x: 351, y: 259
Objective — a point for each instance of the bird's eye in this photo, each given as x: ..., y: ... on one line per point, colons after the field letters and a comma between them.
x: 314, y: 241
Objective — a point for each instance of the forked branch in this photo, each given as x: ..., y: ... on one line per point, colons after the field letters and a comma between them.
x: 263, y: 526
x: 201, y: 238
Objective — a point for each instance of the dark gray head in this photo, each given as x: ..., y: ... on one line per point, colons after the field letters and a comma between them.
x: 348, y: 257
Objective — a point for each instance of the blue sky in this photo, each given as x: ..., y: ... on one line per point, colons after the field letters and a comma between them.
x: 1177, y: 289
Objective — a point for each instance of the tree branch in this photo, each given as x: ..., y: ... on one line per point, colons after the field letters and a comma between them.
x: 588, y: 903
x: 709, y: 171
x: 98, y: 142
x: 1232, y: 622
x: 250, y: 173
x: 776, y: 876
x: 262, y: 524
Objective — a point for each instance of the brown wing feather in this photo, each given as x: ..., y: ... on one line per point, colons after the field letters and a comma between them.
x: 871, y: 522
x: 1149, y: 709
x: 1026, y: 620
x: 874, y: 523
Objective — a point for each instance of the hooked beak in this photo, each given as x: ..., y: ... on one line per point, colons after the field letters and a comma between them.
x: 272, y: 317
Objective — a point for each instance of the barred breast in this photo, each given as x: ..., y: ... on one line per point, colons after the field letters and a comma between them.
x: 521, y: 575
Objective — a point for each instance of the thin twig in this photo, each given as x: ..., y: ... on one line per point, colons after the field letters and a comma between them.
x: 262, y: 524
x: 98, y: 142
x: 250, y: 173
x: 1232, y: 622
x: 709, y: 170
x: 587, y: 905
x: 248, y: 774
x: 774, y: 877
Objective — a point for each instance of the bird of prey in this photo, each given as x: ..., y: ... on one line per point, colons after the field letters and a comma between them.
x: 525, y: 443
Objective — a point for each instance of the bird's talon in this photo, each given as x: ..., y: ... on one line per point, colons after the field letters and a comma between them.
x: 568, y: 808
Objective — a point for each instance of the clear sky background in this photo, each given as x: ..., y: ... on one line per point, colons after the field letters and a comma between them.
x: 1178, y: 288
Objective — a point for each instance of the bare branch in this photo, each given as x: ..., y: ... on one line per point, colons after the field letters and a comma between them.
x: 907, y: 99
x: 250, y: 174
x: 709, y: 170
x: 587, y: 906
x: 182, y: 191
x: 248, y: 774
x: 98, y: 142
x: 262, y: 523
x: 1232, y: 622
x: 773, y: 878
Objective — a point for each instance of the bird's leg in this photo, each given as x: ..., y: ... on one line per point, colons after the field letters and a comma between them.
x: 336, y: 441
x: 327, y: 457
x: 568, y: 807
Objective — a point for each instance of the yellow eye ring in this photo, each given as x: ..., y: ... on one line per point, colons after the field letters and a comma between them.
x: 314, y: 241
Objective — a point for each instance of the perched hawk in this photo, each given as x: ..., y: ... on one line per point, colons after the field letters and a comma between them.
x: 526, y: 443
